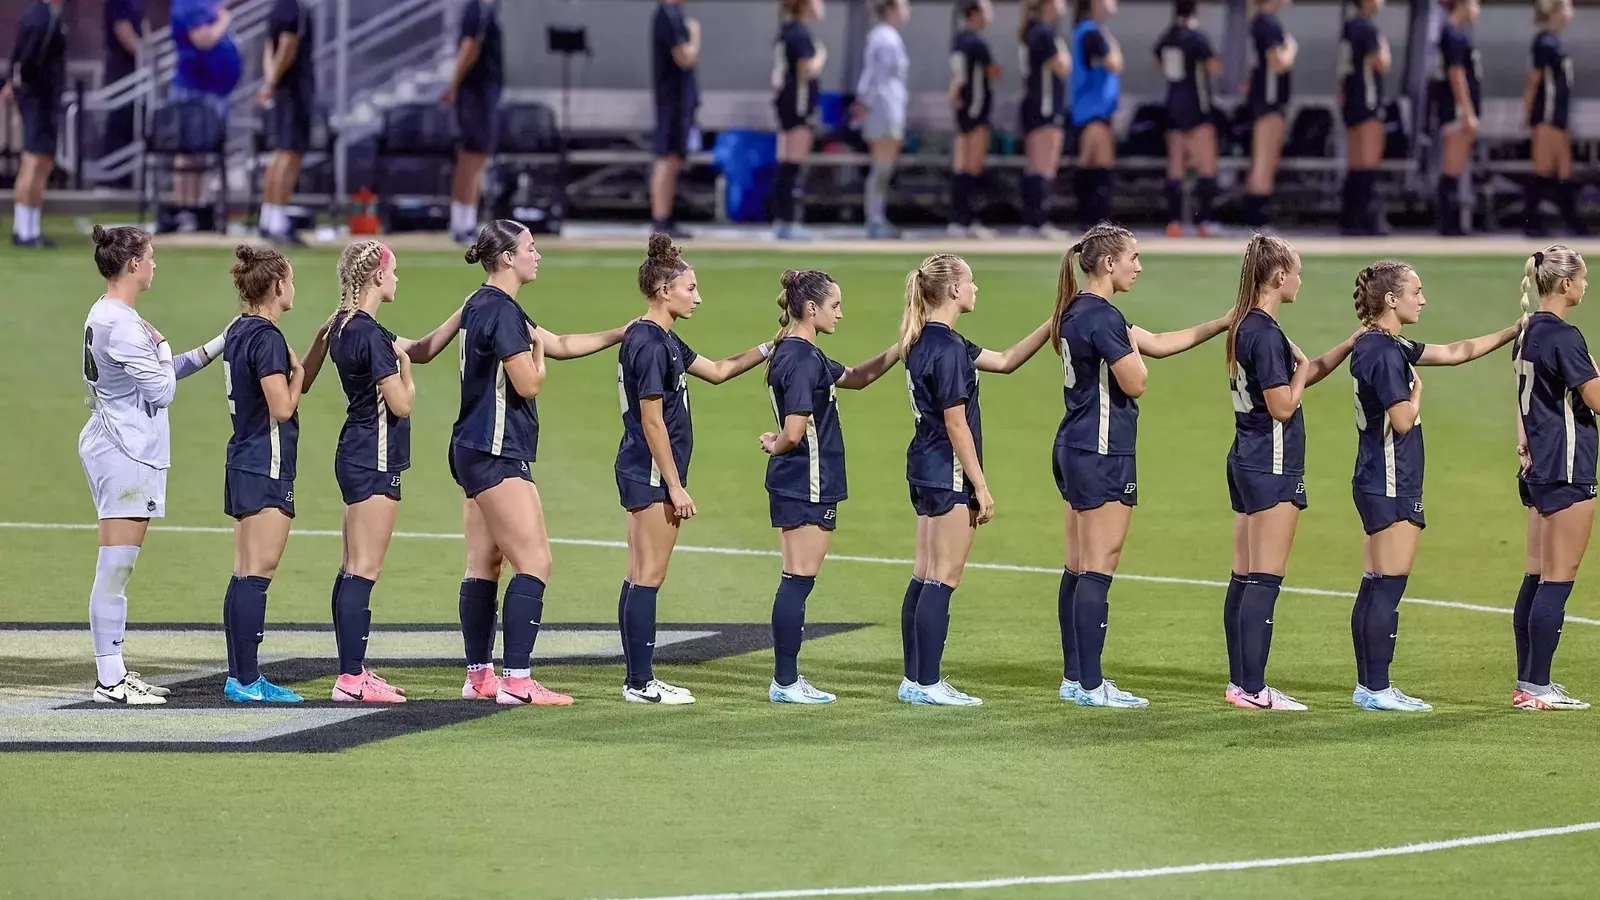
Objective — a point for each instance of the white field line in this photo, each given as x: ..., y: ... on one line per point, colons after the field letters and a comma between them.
x: 1237, y: 865
x: 738, y: 551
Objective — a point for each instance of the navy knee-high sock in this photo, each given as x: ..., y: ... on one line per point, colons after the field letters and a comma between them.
x: 908, y: 627
x: 1358, y: 626
x: 1256, y: 605
x: 640, y: 615
x: 1382, y: 627
x: 933, y: 626
x: 1230, y: 626
x: 622, y: 631
x: 1255, y: 210
x: 1069, y: 631
x: 519, y: 621
x: 333, y: 597
x: 1566, y: 194
x: 1172, y: 189
x: 1448, y: 201
x: 228, y: 599
x: 1205, y: 199
x: 354, y: 623
x: 1544, y: 628
x: 1090, y: 614
x: 789, y: 625
x: 974, y: 192
x: 1519, y: 621
x: 1035, y: 197
x: 477, y: 611
x: 1104, y: 184
x: 960, y: 209
x: 784, y: 189
x: 249, y: 625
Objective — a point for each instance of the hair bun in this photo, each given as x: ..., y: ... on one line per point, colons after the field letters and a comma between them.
x: 660, y: 246
x: 245, y: 253
x: 472, y: 255
x: 100, y: 236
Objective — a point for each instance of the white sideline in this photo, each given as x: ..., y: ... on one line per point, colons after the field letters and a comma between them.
x: 737, y: 551
x: 1125, y: 874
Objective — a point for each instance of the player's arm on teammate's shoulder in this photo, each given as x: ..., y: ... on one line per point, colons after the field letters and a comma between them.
x: 423, y: 350
x: 316, y: 355
x: 1323, y: 366
x: 1011, y: 359
x: 1170, y: 343
x: 575, y: 346
x: 723, y: 369
x: 204, y: 355
x: 1458, y: 352
x: 859, y: 376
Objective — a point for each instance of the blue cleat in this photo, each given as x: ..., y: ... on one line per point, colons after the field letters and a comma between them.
x: 271, y: 693
x: 238, y: 693
x: 1070, y: 690
x: 1110, y: 696
x: 941, y: 694
x: 1390, y: 699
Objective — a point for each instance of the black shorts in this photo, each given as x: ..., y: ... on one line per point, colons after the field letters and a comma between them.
x: 1252, y: 492
x: 674, y: 125
x: 246, y: 493
x: 41, y: 120
x: 788, y: 512
x: 1550, y: 499
x: 1260, y: 109
x: 1354, y: 115
x: 1032, y: 120
x: 790, y: 115
x: 637, y: 495
x: 1186, y: 118
x: 1379, y: 512
x: 1446, y: 112
x: 1559, y: 117
x: 477, y: 471
x: 357, y: 483
x: 1088, y: 480
x: 933, y: 502
x: 288, y: 120
x: 478, y: 119
x: 966, y: 124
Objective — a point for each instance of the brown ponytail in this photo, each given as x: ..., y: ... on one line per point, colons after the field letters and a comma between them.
x: 1264, y: 257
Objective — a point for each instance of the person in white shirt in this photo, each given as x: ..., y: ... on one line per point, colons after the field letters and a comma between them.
x: 131, y: 376
x: 881, y: 104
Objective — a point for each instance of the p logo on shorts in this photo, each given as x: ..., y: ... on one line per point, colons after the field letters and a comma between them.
x: 289, y: 497
x: 1130, y: 488
x: 1300, y: 488
x: 395, y: 481
x: 829, y: 515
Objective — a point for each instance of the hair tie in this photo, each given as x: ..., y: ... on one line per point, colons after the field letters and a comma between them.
x: 1538, y: 258
x: 682, y: 267
x: 1367, y: 272
x: 1076, y: 248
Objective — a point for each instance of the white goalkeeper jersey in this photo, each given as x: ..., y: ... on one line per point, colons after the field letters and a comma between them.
x: 129, y: 387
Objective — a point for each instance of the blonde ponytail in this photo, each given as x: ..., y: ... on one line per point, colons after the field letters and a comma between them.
x: 1546, y: 269
x: 928, y: 286
x: 357, y: 265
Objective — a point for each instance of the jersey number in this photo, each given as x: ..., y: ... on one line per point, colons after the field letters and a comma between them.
x: 1069, y: 374
x: 911, y: 394
x: 91, y: 371
x: 1237, y: 388
x: 1172, y: 64
x: 1524, y: 384
x: 227, y: 384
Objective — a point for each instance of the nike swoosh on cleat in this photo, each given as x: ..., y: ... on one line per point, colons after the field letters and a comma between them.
x: 117, y: 642
x: 352, y: 696
x: 1246, y: 698
x: 648, y: 698
x: 520, y: 698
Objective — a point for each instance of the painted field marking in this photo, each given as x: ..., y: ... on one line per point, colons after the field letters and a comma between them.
x: 1237, y: 865
x: 737, y: 551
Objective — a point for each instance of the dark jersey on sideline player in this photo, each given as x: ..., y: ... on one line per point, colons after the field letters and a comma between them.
x: 1455, y: 49
x: 1182, y: 53
x: 1560, y: 427
x: 1044, y: 93
x: 653, y: 363
x: 796, y: 100
x: 478, y: 103
x: 970, y: 61
x: 1552, y: 99
x: 677, y: 91
x: 1269, y: 92
x: 802, y: 380
x: 289, y: 120
x: 1363, y: 87
x: 941, y: 373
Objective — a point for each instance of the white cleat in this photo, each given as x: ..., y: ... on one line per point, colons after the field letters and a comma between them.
x: 127, y: 694
x: 1070, y: 690
x: 800, y: 692
x: 134, y: 679
x: 659, y: 693
x: 942, y: 694
x: 1390, y: 699
x: 1552, y: 697
x: 907, y: 689
x: 1110, y: 696
x: 1269, y: 698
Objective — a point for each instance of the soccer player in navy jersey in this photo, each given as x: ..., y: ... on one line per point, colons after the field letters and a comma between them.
x: 476, y: 80
x: 1267, y: 375
x: 1457, y: 96
x: 805, y: 468
x: 1187, y: 61
x: 1558, y: 392
x: 1096, y: 91
x: 1269, y: 88
x: 1104, y: 375
x: 944, y: 461
x: 374, y: 448
x: 1547, y: 108
x: 797, y: 63
x: 1363, y: 59
x: 1043, y: 120
x: 653, y: 457
x: 493, y: 442
x: 264, y: 381
x: 1387, y: 485
x: 973, y: 74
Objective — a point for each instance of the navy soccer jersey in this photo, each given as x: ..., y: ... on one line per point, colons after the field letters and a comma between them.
x: 797, y: 94
x: 802, y: 381
x: 481, y: 22
x: 293, y: 17
x: 119, y: 62
x: 941, y: 372
x: 969, y: 62
x: 1262, y: 360
x: 1552, y: 363
x: 1269, y: 92
x: 254, y: 349
x: 494, y: 418
x: 1044, y: 94
x: 1182, y: 53
x: 653, y: 363
x: 39, y: 57
x: 1100, y: 418
x: 373, y: 437
x: 1363, y: 87
x: 1552, y: 99
x: 1386, y: 463
x: 674, y: 86
x: 1455, y: 49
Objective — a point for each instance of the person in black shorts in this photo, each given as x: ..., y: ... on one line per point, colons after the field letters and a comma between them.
x: 38, y: 76
x: 1457, y: 98
x: 1269, y: 86
x: 973, y: 74
x: 1547, y: 99
x: 475, y: 93
x: 797, y: 62
x: 1187, y: 61
x: 1043, y: 113
x: 288, y: 93
x: 1363, y: 59
x: 674, y: 50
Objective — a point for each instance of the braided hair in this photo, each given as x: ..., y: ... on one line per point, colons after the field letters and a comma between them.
x: 1373, y: 285
x: 358, y: 264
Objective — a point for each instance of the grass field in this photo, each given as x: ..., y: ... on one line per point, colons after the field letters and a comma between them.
x: 735, y: 794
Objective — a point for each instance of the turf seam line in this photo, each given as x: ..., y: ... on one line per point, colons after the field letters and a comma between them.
x: 837, y: 557
x: 1126, y: 874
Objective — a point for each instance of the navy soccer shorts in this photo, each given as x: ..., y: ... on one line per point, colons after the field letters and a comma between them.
x: 477, y: 471
x: 934, y: 502
x: 1088, y: 480
x: 788, y: 512
x: 246, y: 493
x: 357, y: 483
x: 1379, y: 512
x: 1550, y: 499
x: 1252, y: 492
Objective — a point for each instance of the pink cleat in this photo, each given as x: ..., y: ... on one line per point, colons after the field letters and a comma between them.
x: 379, y: 679
x: 365, y: 688
x: 1269, y: 698
x: 480, y: 685
x: 527, y: 692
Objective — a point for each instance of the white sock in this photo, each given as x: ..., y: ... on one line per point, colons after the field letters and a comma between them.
x: 479, y: 667
x: 463, y: 217
x: 269, y: 218
x: 108, y: 610
x: 34, y: 225
x: 519, y: 673
x: 19, y: 220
